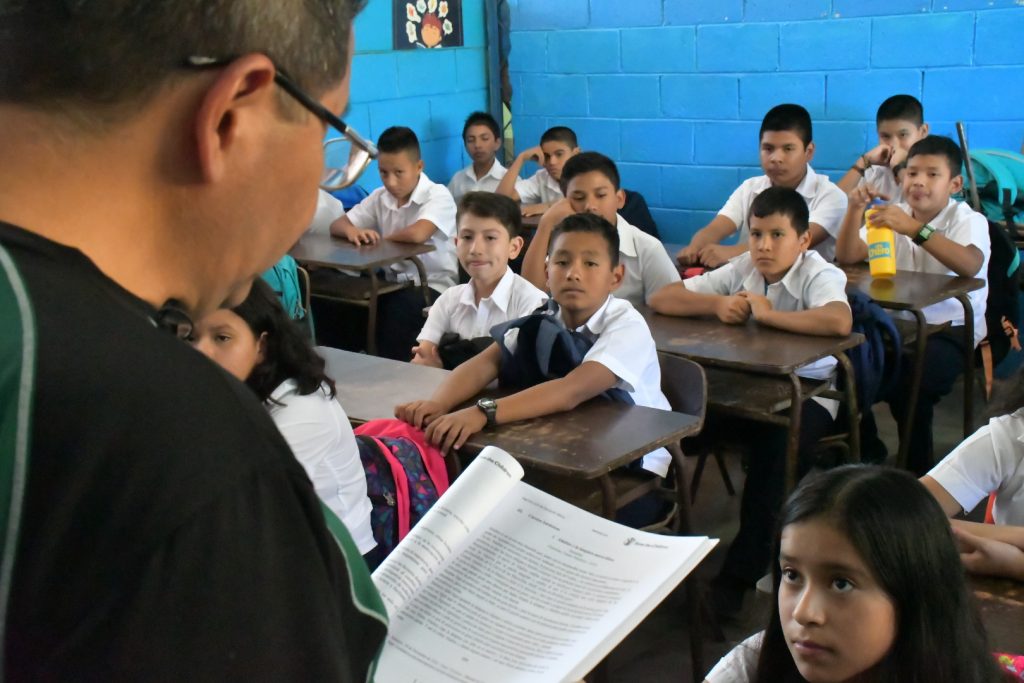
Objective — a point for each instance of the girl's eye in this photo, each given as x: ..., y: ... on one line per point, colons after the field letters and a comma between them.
x: 560, y: 263
x: 842, y: 585
x: 790, y: 575
x: 222, y: 338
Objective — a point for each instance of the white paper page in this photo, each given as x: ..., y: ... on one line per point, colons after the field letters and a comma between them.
x: 539, y: 592
x: 476, y: 491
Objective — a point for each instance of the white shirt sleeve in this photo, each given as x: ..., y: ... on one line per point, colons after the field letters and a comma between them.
x: 740, y: 665
x: 619, y: 348
x: 723, y: 281
x: 439, y: 319
x: 827, y: 285
x: 829, y: 209
x: 328, y: 209
x: 736, y: 206
x: 656, y: 267
x: 365, y: 215
x: 440, y: 210
x: 529, y: 189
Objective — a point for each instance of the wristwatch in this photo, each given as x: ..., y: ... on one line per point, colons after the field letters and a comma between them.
x: 490, y: 409
x: 923, y: 234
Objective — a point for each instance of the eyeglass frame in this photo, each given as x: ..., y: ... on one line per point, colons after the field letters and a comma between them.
x: 286, y: 83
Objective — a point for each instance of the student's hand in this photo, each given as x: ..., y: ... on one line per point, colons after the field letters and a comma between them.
x: 880, y: 155
x: 532, y: 154
x: 713, y: 256
x: 426, y: 354
x: 898, y: 156
x: 859, y: 197
x: 689, y: 255
x: 419, y: 413
x: 759, y: 304
x: 732, y: 310
x: 357, y: 236
x: 988, y: 556
x: 558, y: 212
x: 451, y: 431
x: 897, y: 219
x: 534, y: 209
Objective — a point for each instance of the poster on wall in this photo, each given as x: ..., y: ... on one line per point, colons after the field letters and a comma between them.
x: 427, y: 24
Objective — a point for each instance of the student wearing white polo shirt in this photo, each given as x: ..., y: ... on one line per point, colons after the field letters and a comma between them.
x: 482, y: 137
x: 538, y: 192
x: 786, y: 151
x: 591, y: 182
x: 328, y: 209
x: 933, y: 234
x: 459, y: 324
x: 779, y: 283
x: 409, y: 208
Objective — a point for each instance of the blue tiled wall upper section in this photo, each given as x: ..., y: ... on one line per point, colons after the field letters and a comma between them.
x: 674, y: 90
x: 430, y: 91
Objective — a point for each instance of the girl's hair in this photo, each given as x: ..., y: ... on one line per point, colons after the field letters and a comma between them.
x: 902, y: 536
x: 287, y: 351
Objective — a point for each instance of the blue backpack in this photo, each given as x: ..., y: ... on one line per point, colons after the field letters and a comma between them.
x: 999, y: 176
x: 876, y: 362
x: 283, y: 278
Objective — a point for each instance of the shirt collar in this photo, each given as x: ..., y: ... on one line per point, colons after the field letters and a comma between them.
x: 807, y: 187
x: 420, y: 194
x: 497, y: 171
x: 627, y: 236
x: 755, y: 282
x: 500, y: 297
x: 597, y: 322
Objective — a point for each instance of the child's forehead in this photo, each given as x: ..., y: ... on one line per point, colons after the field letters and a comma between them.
x: 775, y: 221
x: 928, y: 161
x: 896, y: 125
x: 395, y: 159
x: 591, y: 179
x: 478, y: 129
x: 579, y: 242
x: 552, y: 146
x: 781, y: 137
x: 470, y: 222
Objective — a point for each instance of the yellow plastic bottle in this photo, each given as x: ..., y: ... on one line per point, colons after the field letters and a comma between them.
x: 881, y: 247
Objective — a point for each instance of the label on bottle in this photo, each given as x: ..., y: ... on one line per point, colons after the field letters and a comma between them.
x: 879, y: 250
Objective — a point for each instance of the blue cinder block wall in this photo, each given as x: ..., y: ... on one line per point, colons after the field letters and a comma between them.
x: 430, y: 91
x: 674, y: 90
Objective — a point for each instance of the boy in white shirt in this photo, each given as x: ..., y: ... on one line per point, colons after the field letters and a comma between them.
x: 591, y: 184
x: 934, y: 234
x: 786, y: 152
x: 538, y: 192
x: 328, y: 209
x: 459, y: 324
x: 409, y: 208
x: 900, y: 123
x: 482, y: 137
x: 780, y: 283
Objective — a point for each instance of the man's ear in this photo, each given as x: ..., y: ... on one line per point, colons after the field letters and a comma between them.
x: 924, y: 130
x: 618, y: 273
x: 419, y: 166
x: 515, y: 246
x: 241, y: 88
x: 810, y: 151
x: 956, y: 184
x: 805, y: 239
x: 620, y: 198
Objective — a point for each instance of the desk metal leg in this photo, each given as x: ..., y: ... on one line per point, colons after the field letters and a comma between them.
x: 608, y: 498
x: 968, y: 364
x: 793, y: 438
x: 371, y: 316
x: 422, y: 273
x: 915, y: 388
x: 852, y: 409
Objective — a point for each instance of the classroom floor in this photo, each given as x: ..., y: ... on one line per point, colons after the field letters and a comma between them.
x: 658, y: 650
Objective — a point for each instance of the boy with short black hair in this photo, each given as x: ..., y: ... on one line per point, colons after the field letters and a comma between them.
x: 933, y: 234
x: 590, y: 181
x: 900, y: 123
x: 460, y: 321
x: 409, y: 208
x: 780, y: 283
x: 786, y: 151
x: 621, y: 360
x: 482, y: 137
x: 538, y: 192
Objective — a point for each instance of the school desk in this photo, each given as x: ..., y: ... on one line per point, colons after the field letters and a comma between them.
x: 752, y: 371
x: 1001, y: 602
x: 334, y: 252
x: 913, y: 292
x: 586, y: 443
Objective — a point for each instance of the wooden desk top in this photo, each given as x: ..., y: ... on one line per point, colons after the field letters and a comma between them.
x: 334, y: 252
x: 584, y: 443
x: 1001, y: 602
x: 909, y: 290
x: 531, y: 222
x: 749, y: 347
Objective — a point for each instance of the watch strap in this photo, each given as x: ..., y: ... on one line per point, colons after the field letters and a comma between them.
x: 923, y: 234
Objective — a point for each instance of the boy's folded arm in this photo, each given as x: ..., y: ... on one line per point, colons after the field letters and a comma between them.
x: 507, y: 185
x: 676, y: 299
x: 963, y: 259
x: 536, y: 253
x: 585, y: 382
x: 469, y: 378
x: 718, y: 229
x: 850, y: 248
x: 1004, y: 533
x: 831, y: 319
x: 416, y: 233
x: 341, y: 226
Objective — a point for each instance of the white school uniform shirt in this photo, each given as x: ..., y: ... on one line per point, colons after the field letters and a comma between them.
x: 429, y: 201
x: 825, y: 202
x: 810, y: 283
x: 648, y: 266
x: 963, y: 225
x: 990, y: 460
x: 740, y: 664
x: 466, y: 181
x: 328, y: 209
x: 623, y: 344
x: 457, y: 311
x: 319, y: 434
x: 540, y: 188
x: 884, y: 181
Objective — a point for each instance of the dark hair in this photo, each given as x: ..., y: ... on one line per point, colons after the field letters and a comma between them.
x: 592, y: 223
x: 905, y: 540
x: 399, y: 139
x: 287, y: 351
x: 482, y: 118
x: 790, y: 117
x: 562, y: 134
x: 96, y: 62
x: 490, y: 205
x: 939, y: 145
x: 901, y: 108
x: 785, y: 202
x: 585, y: 162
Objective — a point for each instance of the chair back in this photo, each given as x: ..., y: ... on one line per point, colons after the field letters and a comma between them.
x: 684, y: 384
x: 304, y: 290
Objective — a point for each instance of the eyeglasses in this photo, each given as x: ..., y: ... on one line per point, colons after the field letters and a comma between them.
x: 360, y: 150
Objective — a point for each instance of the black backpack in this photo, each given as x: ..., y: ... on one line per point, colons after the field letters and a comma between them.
x: 1002, y: 309
x: 876, y: 362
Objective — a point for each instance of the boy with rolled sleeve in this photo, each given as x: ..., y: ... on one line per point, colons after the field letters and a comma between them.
x: 538, y: 192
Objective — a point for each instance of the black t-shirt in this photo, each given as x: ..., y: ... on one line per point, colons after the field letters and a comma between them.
x: 167, y: 532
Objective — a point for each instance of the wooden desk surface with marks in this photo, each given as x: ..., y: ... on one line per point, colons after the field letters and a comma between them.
x: 334, y: 252
x: 594, y: 439
x: 909, y: 290
x: 1001, y: 602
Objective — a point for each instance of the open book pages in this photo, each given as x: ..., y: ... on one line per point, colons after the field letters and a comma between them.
x: 502, y: 582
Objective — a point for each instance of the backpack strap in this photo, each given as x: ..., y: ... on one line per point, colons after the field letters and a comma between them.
x: 17, y: 382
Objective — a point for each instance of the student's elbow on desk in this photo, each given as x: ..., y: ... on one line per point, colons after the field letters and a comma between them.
x: 667, y: 299
x: 417, y: 233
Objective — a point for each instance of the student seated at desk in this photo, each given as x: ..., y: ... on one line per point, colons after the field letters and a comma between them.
x: 259, y: 344
x: 482, y: 137
x: 933, y: 234
x: 459, y: 323
x: 538, y: 192
x: 409, y: 208
x: 786, y: 152
x: 779, y: 283
x: 591, y: 184
x: 900, y: 123
x: 602, y: 347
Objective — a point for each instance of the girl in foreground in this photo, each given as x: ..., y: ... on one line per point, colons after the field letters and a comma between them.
x: 259, y: 344
x: 869, y: 587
